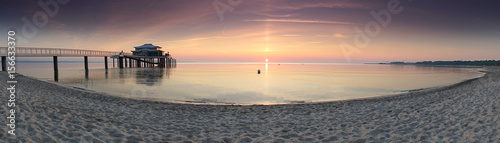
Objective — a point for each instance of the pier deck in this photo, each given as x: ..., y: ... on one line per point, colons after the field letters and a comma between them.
x: 133, y: 61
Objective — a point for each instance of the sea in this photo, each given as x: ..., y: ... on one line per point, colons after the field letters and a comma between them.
x: 240, y: 83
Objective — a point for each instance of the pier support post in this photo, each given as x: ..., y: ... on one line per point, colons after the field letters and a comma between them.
x: 106, y: 62
x: 4, y: 63
x: 113, y: 62
x: 86, y: 61
x: 120, y: 62
x: 138, y: 63
x: 56, y: 73
x: 129, y: 62
x: 166, y: 63
x: 163, y: 63
x: 160, y: 62
x: 125, y: 62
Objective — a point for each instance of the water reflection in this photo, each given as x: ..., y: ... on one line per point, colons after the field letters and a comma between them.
x: 266, y: 67
x: 151, y: 76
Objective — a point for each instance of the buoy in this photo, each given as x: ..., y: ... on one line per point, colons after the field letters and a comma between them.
x: 258, y: 71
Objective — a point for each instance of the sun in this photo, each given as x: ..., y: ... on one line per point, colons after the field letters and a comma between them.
x: 267, y: 60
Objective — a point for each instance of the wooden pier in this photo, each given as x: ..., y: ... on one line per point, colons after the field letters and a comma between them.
x: 133, y: 61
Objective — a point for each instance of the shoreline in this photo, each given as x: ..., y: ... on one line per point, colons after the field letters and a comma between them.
x: 466, y: 111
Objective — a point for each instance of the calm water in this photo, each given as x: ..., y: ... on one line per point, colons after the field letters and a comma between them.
x: 240, y: 83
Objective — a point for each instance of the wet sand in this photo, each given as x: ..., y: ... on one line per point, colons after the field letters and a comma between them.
x: 464, y: 112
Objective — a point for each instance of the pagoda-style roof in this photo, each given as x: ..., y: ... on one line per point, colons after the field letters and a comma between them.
x: 147, y: 47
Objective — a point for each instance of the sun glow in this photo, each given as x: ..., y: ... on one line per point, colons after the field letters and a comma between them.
x: 267, y: 60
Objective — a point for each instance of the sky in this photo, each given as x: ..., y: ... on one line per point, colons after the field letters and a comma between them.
x: 255, y: 30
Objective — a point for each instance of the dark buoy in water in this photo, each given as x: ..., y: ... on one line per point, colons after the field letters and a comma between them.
x: 258, y: 71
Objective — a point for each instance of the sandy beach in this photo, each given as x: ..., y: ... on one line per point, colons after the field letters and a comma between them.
x: 464, y: 112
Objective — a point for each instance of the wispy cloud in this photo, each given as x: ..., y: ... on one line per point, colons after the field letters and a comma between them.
x: 291, y: 35
x: 333, y: 4
x: 338, y: 35
x: 302, y: 21
x: 195, y: 39
x: 275, y: 15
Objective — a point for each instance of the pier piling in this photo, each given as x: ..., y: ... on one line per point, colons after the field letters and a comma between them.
x: 56, y: 73
x: 4, y: 63
x: 126, y: 65
x: 86, y: 61
x: 120, y: 62
x: 106, y: 62
x: 161, y: 62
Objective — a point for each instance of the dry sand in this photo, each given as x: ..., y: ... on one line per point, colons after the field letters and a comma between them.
x: 465, y: 112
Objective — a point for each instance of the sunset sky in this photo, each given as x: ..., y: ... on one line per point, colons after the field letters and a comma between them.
x: 279, y: 30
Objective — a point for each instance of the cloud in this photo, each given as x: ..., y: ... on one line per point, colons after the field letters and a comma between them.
x: 275, y: 15
x: 302, y: 21
x: 195, y: 39
x: 338, y: 35
x: 291, y: 35
x: 335, y: 4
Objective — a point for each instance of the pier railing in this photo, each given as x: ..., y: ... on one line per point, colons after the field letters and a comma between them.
x: 133, y: 61
x: 49, y: 52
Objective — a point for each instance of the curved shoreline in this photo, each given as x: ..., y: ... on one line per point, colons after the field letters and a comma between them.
x: 466, y: 111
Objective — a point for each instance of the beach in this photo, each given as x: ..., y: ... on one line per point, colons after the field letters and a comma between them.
x: 464, y: 112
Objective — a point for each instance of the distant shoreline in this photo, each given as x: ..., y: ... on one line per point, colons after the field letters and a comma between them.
x: 424, y: 65
x: 464, y: 64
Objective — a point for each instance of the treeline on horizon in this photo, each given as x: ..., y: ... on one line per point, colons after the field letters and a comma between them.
x: 454, y: 63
